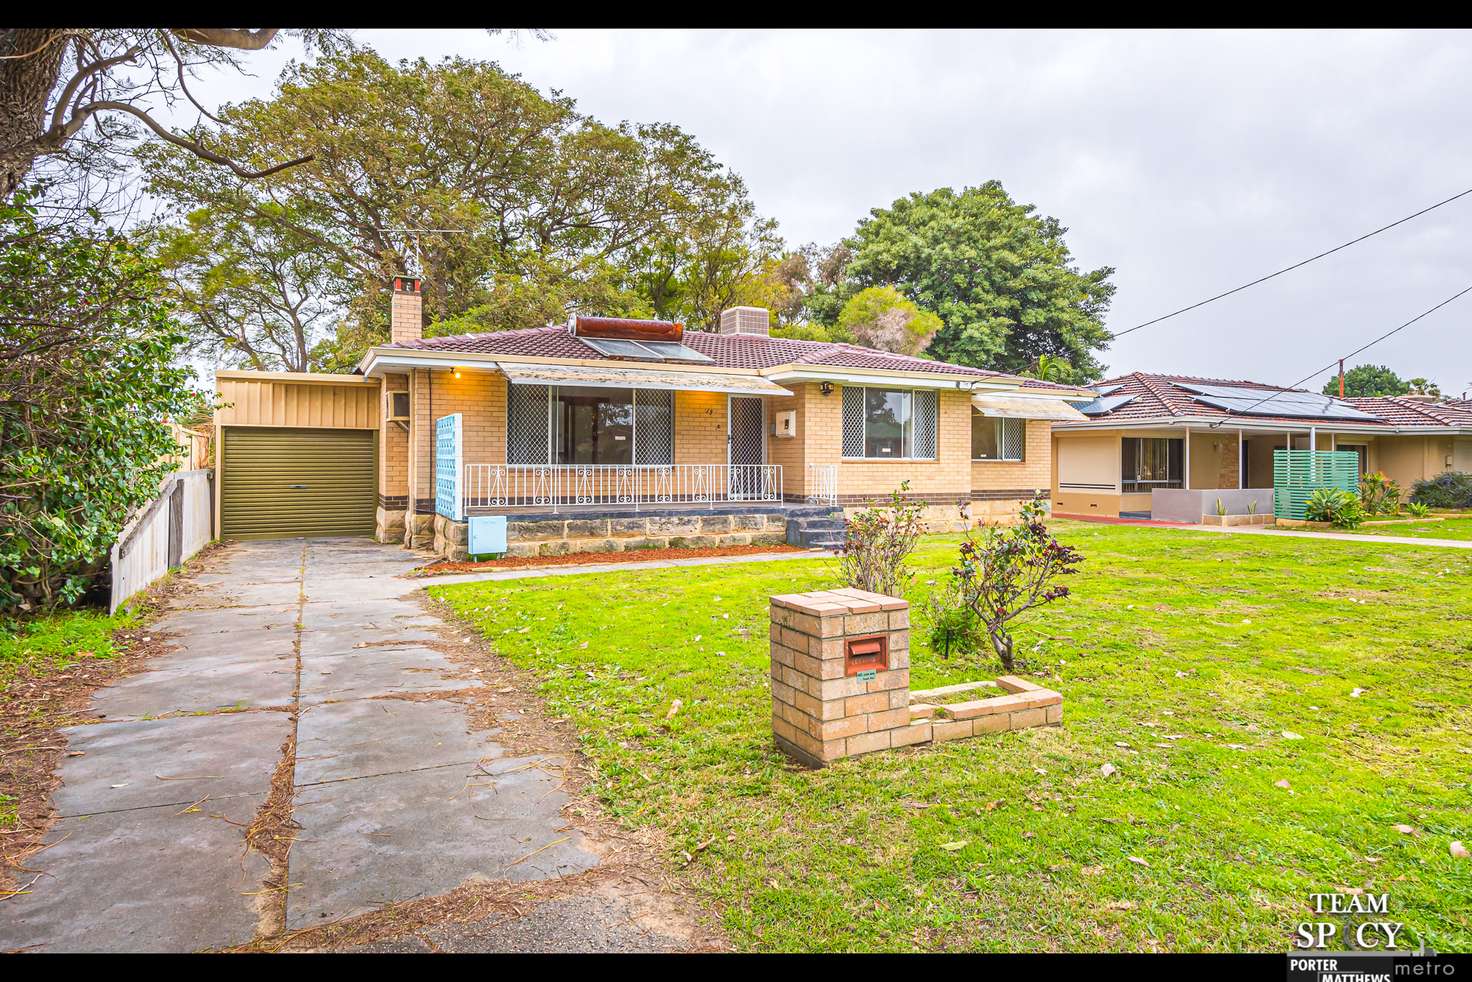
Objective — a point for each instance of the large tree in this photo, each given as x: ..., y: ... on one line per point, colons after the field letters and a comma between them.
x: 524, y: 208
x: 1368, y: 380
x: 81, y: 95
x: 998, y: 273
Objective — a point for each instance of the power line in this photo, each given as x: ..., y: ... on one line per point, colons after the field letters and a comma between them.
x: 1289, y: 269
x: 1364, y: 347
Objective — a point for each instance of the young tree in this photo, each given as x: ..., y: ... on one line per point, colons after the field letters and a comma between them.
x: 1009, y: 570
x: 998, y: 274
x: 1363, y: 381
x: 880, y: 317
x: 88, y: 376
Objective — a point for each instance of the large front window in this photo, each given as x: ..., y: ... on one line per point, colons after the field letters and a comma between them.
x: 585, y: 425
x: 1147, y: 463
x: 888, y: 424
x: 594, y: 426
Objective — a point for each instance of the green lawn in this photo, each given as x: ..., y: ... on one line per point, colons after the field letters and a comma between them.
x: 1019, y: 842
x: 1451, y: 528
x: 56, y: 641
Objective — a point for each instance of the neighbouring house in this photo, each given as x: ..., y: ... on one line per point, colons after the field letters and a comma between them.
x: 1171, y: 446
x: 609, y: 434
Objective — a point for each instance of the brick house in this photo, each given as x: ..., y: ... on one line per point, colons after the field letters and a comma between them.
x: 613, y: 434
x: 1172, y: 446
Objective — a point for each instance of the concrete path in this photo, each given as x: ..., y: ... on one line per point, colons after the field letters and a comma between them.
x: 318, y: 642
x: 1404, y: 540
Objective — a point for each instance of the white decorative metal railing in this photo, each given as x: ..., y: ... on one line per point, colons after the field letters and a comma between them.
x: 558, y: 486
x: 822, y: 484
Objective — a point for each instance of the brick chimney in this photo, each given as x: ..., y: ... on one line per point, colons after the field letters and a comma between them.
x: 746, y: 320
x: 406, y: 310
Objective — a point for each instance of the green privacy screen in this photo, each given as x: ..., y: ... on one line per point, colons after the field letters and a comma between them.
x: 1299, y: 473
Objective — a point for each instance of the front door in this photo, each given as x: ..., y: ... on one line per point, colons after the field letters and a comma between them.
x: 746, y: 448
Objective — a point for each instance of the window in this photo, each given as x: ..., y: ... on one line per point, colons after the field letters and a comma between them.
x: 993, y: 438
x: 888, y: 424
x: 1149, y: 463
x: 585, y: 425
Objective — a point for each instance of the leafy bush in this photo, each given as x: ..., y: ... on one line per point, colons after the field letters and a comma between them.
x: 1006, y: 571
x: 954, y: 630
x: 1336, y: 506
x: 1452, y: 489
x: 877, y: 541
x: 88, y: 374
x: 1379, y: 495
x: 1417, y: 509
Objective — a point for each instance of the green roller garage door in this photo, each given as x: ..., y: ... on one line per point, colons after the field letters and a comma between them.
x: 283, y: 482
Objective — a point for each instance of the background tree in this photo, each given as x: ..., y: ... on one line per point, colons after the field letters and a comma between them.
x: 1363, y: 381
x: 551, y: 211
x: 1424, y: 387
x: 252, y: 297
x: 880, y: 317
x: 88, y: 376
x: 999, y: 276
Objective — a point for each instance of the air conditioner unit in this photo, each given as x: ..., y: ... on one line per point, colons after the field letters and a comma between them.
x: 784, y: 424
x: 398, y: 407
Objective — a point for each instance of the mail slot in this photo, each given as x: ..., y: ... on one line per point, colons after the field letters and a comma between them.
x: 866, y: 654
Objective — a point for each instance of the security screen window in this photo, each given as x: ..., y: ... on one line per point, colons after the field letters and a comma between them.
x: 1147, y: 463
x: 595, y: 426
x: 997, y: 439
x: 886, y: 423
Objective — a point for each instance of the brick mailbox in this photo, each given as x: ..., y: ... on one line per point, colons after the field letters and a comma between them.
x: 841, y: 675
x: 841, y: 683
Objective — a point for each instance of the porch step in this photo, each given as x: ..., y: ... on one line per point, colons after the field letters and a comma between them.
x: 819, y: 529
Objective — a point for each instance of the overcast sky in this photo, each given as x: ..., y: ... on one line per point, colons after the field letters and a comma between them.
x: 1189, y: 161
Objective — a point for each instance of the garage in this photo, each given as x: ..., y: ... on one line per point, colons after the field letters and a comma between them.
x: 284, y: 482
x: 296, y: 455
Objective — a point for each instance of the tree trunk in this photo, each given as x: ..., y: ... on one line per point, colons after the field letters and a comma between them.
x: 30, y: 61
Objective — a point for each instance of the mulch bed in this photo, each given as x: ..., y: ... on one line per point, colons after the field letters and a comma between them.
x: 596, y: 558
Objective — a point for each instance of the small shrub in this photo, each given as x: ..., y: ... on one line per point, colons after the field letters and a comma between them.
x: 1007, y: 571
x: 1221, y: 508
x: 1452, y: 489
x: 1336, y: 506
x: 954, y: 630
x: 1417, y: 509
x: 1379, y: 495
x: 877, y: 541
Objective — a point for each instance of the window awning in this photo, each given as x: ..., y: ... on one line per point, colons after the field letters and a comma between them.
x: 611, y: 377
x: 1017, y: 408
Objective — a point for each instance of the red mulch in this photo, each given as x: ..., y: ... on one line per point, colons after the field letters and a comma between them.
x: 594, y: 558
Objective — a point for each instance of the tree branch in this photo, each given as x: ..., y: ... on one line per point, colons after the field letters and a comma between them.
x: 193, y: 146
x: 227, y: 37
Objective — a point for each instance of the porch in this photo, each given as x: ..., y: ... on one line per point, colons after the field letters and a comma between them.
x: 612, y: 489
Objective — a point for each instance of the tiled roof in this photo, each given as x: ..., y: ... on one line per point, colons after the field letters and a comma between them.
x: 725, y: 350
x: 1401, y: 411
x: 1157, y: 396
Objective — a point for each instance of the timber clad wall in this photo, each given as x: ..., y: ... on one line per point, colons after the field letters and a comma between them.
x: 325, y: 402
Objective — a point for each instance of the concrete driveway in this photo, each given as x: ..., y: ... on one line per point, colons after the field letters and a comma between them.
x: 313, y: 643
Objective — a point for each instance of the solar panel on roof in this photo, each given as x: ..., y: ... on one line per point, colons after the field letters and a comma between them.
x: 1098, y: 407
x: 644, y: 350
x: 1273, y: 402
